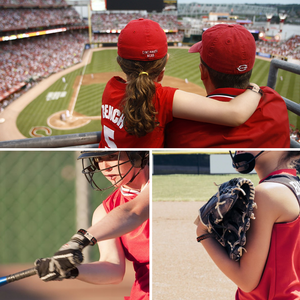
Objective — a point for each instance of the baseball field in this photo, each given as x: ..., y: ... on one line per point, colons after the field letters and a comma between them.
x: 70, y: 101
x: 181, y: 268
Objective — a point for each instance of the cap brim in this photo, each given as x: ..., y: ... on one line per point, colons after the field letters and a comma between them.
x: 196, y: 48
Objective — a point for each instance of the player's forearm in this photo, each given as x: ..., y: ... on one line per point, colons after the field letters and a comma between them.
x: 235, y: 271
x: 243, y: 106
x: 101, y: 273
x: 123, y: 218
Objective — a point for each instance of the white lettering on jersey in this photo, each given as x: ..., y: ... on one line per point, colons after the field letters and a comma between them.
x: 113, y: 114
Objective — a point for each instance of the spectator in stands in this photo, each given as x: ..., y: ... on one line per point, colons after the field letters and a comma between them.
x: 24, y: 18
x: 135, y: 111
x: 286, y: 49
x: 227, y: 55
x: 36, y: 58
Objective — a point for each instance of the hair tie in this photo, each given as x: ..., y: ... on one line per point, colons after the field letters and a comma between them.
x: 141, y: 73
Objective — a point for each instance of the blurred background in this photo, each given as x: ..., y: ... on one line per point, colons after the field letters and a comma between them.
x: 44, y: 200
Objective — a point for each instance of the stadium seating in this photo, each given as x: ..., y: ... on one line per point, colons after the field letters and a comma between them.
x: 33, y: 3
x: 26, y: 18
x: 32, y: 59
x: 289, y: 48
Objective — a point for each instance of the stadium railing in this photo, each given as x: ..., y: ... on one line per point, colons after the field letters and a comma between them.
x: 272, y: 79
x: 92, y: 139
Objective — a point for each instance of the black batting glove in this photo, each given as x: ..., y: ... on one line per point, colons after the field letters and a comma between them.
x: 63, y: 264
x: 50, y: 269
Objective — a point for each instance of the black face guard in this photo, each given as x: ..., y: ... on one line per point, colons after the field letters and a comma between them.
x: 244, y: 162
x: 90, y: 166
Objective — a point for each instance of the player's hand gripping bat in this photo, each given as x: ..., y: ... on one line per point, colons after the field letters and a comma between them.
x: 61, y: 265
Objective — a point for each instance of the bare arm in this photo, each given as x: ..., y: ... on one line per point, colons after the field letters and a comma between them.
x: 247, y: 272
x: 123, y: 218
x: 110, y: 268
x: 199, y: 108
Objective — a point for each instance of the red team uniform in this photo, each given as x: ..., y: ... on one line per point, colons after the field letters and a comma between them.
x: 281, y: 276
x: 113, y: 133
x: 135, y: 245
x: 268, y: 127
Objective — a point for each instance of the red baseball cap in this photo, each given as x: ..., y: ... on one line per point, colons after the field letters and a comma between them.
x: 227, y: 48
x: 143, y: 40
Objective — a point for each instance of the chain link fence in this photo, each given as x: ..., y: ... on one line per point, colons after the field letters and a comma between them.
x: 40, y: 203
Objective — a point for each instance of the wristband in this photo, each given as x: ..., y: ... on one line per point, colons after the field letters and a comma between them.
x: 92, y: 240
x: 255, y: 88
x: 203, y: 237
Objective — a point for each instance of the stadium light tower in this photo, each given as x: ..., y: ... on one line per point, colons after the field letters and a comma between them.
x: 269, y: 17
x: 282, y: 18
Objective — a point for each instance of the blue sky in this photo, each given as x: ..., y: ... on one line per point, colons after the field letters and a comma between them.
x: 242, y: 2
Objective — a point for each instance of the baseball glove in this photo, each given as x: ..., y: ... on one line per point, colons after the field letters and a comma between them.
x: 227, y: 215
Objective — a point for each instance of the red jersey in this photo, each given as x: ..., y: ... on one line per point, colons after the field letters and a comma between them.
x: 281, y: 276
x: 268, y: 127
x: 135, y: 245
x: 112, y: 119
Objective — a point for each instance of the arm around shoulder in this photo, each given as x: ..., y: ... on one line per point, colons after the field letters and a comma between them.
x: 199, y: 108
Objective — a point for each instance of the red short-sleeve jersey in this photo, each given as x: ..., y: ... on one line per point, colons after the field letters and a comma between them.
x: 135, y: 245
x: 112, y: 119
x: 268, y: 127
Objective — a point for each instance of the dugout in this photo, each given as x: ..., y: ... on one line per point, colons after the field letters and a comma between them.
x: 194, y: 163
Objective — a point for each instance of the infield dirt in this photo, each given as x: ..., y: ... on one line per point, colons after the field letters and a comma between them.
x: 181, y: 268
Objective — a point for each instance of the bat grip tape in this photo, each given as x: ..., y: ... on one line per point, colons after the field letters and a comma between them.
x: 21, y: 275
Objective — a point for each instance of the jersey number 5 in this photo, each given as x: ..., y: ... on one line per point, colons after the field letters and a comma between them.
x: 109, y: 136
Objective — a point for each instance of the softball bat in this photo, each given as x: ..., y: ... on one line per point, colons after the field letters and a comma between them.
x: 17, y: 276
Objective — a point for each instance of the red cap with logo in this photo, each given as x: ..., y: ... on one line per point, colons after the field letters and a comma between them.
x: 227, y: 48
x: 142, y: 40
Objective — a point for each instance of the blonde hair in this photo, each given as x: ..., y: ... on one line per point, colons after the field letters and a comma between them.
x: 138, y: 103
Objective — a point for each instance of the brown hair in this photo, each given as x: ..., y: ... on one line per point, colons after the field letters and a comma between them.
x: 292, y: 158
x: 222, y: 80
x: 138, y: 104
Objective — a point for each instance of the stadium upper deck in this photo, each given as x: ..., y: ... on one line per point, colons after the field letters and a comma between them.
x: 196, y: 9
x: 33, y: 3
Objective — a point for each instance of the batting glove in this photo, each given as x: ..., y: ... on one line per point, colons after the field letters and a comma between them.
x: 63, y: 264
x: 50, y: 269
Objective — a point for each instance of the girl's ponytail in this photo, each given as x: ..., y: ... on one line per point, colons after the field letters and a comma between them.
x: 138, y: 103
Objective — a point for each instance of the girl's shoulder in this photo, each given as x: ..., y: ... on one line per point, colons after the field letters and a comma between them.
x: 164, y: 93
x: 277, y: 199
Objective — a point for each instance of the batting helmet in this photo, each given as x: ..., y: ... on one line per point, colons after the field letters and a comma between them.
x: 244, y: 162
x: 91, y: 159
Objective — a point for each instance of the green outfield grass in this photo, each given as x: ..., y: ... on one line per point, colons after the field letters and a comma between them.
x: 182, y: 187
x: 181, y: 64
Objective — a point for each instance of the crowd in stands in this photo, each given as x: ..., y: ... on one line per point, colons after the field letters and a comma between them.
x: 113, y: 37
x: 167, y: 22
x: 31, y: 59
x: 32, y: 3
x: 25, y: 18
x: 295, y: 134
x: 289, y: 48
x: 116, y: 21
